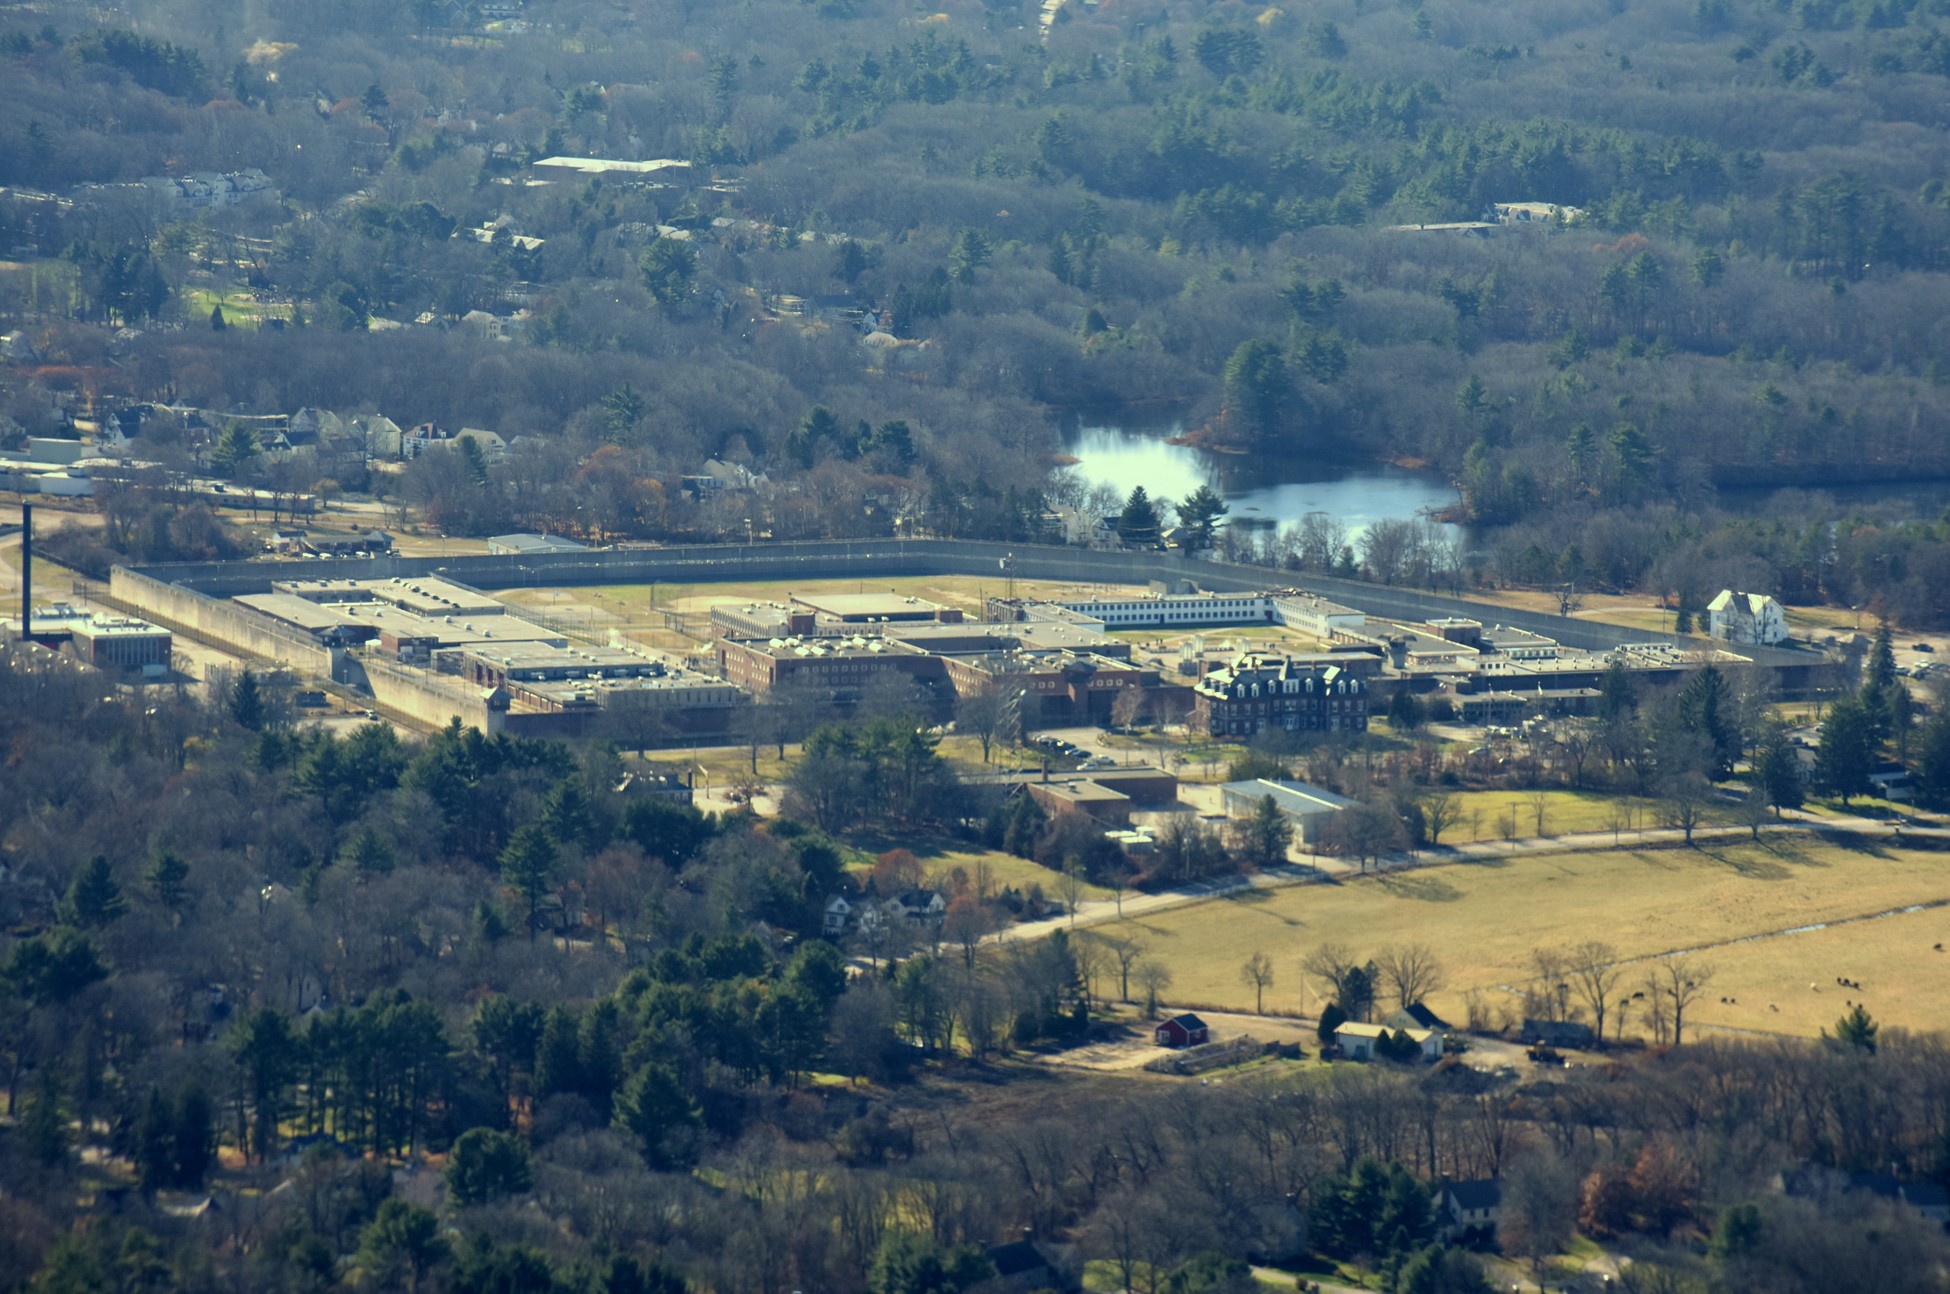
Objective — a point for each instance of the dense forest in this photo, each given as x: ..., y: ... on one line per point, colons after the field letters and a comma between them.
x: 1131, y: 207
x: 1208, y: 213
x: 471, y: 1014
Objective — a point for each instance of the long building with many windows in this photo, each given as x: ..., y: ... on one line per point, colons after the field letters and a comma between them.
x: 1259, y: 692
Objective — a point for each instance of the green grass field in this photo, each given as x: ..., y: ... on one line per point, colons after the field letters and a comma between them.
x: 1485, y: 814
x: 1764, y: 917
x: 241, y: 309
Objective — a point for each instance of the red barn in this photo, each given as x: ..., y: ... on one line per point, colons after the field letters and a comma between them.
x: 1182, y: 1031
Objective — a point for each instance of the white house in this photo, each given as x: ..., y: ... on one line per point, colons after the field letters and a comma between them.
x: 1746, y: 618
x: 917, y: 905
x: 1472, y: 1207
x: 1357, y: 1041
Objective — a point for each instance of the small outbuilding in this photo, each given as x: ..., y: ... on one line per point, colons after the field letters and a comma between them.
x: 1182, y: 1031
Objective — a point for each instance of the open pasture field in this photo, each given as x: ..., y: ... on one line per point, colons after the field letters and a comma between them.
x: 1747, y: 909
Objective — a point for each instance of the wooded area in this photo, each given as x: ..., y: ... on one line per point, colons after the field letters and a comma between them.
x: 246, y: 957
x: 1212, y: 215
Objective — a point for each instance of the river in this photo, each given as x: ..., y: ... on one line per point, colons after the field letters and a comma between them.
x: 1260, y: 491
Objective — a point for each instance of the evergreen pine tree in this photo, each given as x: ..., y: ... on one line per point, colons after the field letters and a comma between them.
x: 196, y: 1137
x: 167, y: 879
x: 155, y: 1144
x: 528, y: 867
x: 94, y: 899
x: 1777, y: 770
x: 44, y: 1129
x: 247, y: 702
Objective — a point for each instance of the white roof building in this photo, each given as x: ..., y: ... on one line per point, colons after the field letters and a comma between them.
x: 1746, y: 618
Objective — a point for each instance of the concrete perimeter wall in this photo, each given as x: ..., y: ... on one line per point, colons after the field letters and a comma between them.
x: 179, y: 606
x: 429, y: 699
x: 875, y: 558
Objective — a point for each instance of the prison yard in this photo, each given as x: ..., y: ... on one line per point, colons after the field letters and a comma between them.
x: 644, y: 606
x: 1778, y: 922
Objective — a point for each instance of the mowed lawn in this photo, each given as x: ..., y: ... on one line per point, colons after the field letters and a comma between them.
x: 1734, y: 903
x: 1485, y: 815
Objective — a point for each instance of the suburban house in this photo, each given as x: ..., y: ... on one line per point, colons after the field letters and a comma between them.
x: 1928, y: 1199
x: 1417, y: 1016
x: 917, y: 905
x: 1182, y: 1031
x: 1746, y: 618
x: 838, y: 912
x: 1308, y: 808
x: 1358, y: 1041
x: 1470, y: 1208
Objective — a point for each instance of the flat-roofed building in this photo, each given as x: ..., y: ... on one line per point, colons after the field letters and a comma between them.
x: 1029, y: 635
x: 656, y: 168
x: 429, y: 595
x: 1294, y: 608
x: 843, y: 668
x: 121, y: 643
x: 761, y: 620
x: 407, y: 634
x: 325, y: 590
x: 1092, y: 799
x: 874, y: 608
x: 1308, y: 808
x: 1057, y: 687
x: 523, y: 544
x: 322, y: 620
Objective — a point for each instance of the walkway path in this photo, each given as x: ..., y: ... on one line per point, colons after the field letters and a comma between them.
x: 1092, y: 912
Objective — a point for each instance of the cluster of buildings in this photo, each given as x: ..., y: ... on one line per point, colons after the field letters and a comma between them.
x: 1071, y: 660
x: 473, y: 642
x: 212, y: 188
x: 114, y: 644
x: 52, y: 466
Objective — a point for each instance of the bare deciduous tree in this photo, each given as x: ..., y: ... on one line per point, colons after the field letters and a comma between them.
x: 1257, y: 974
x: 1070, y: 884
x: 1679, y: 980
x: 1411, y: 970
x: 1126, y: 951
x: 1329, y: 963
x: 1594, y: 971
x: 1154, y: 978
x: 1551, y: 991
x: 1440, y: 811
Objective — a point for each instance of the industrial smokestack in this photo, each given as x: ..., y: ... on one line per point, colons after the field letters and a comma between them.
x: 26, y: 570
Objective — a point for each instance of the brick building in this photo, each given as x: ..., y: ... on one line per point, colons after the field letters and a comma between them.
x: 1257, y: 692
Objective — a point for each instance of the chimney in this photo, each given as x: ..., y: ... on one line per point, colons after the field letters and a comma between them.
x: 26, y: 570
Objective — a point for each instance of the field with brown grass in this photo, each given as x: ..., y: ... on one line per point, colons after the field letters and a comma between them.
x: 1778, y: 922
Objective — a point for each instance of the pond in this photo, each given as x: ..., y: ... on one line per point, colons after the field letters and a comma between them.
x: 1273, y: 492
